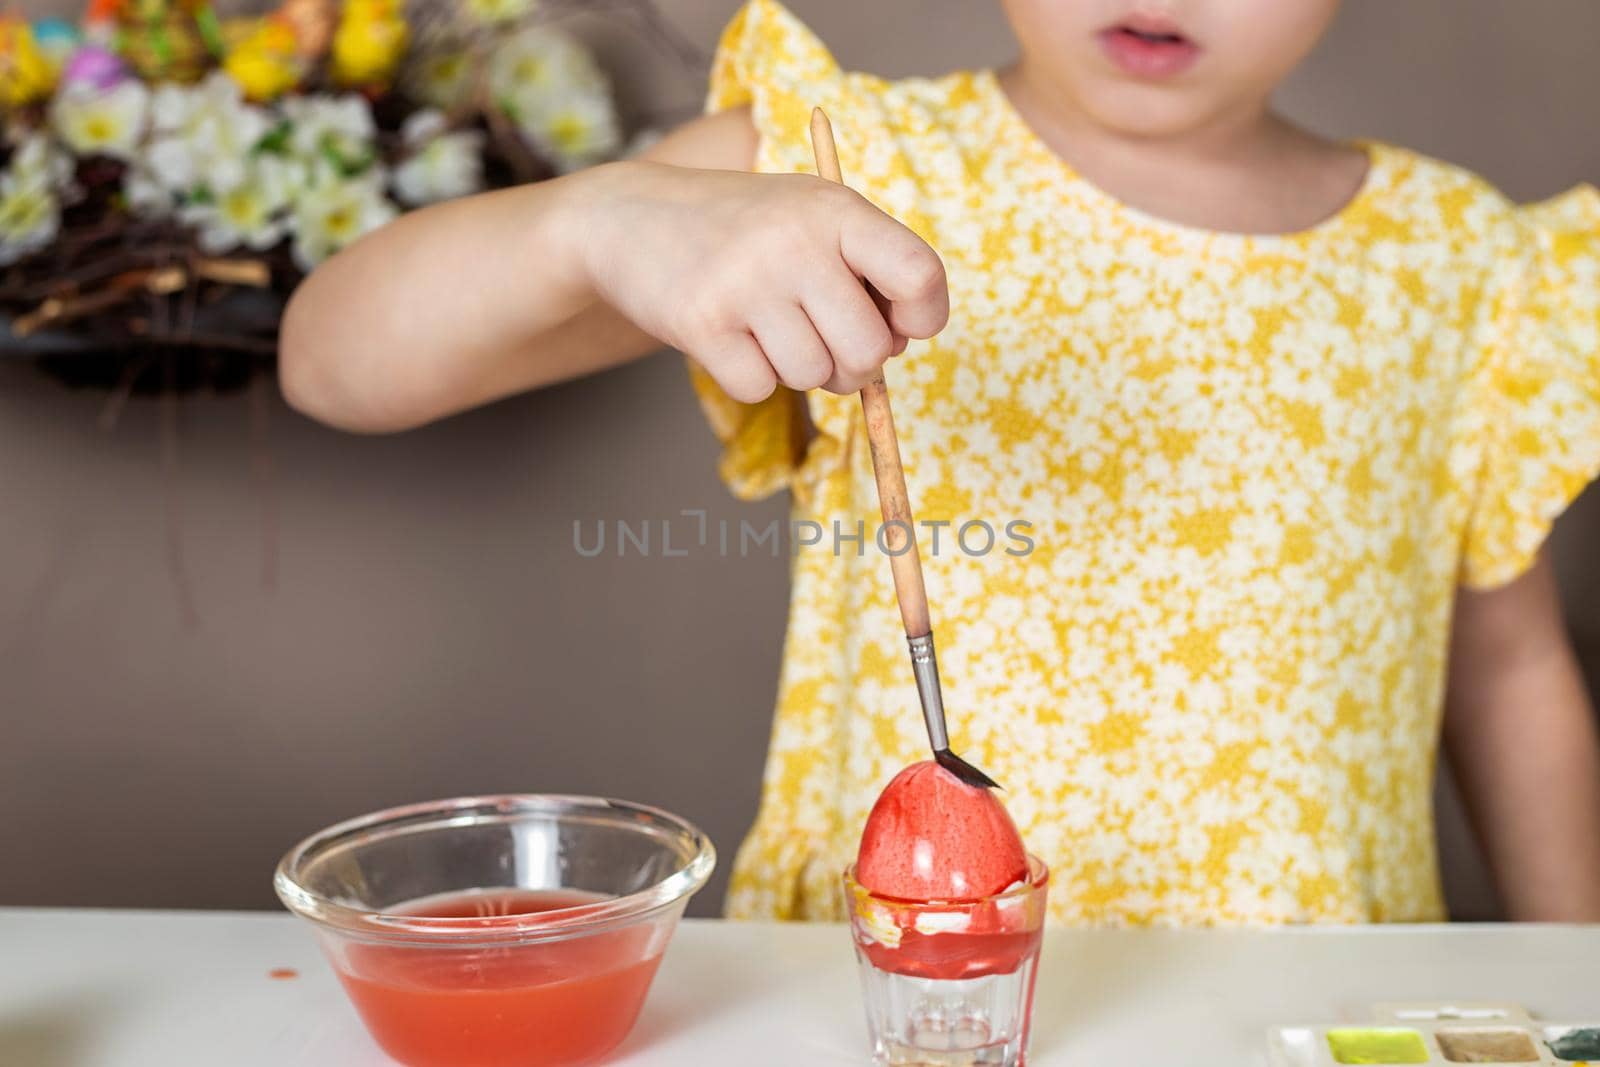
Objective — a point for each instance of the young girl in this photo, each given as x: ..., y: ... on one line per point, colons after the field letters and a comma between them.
x: 1288, y: 420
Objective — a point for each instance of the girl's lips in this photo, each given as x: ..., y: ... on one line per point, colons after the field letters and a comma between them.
x: 1145, y: 50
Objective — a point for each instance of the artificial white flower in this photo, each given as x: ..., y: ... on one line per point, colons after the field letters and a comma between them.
x: 493, y: 11
x: 442, y: 165
x: 31, y: 191
x: 36, y: 160
x: 552, y: 88
x: 204, y: 135
x: 251, y: 213
x: 441, y: 78
x: 574, y: 130
x: 30, y: 217
x: 538, y: 62
x: 332, y: 211
x: 96, y: 123
x: 338, y: 129
x: 146, y: 195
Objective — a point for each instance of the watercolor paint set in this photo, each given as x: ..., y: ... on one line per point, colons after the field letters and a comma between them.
x: 1439, y: 1034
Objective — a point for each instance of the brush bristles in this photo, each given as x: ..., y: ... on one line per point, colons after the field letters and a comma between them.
x: 964, y: 770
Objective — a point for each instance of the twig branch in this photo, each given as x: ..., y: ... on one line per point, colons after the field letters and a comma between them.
x: 250, y: 273
x: 157, y: 282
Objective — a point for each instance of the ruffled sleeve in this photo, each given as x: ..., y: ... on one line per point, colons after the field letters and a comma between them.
x: 770, y: 61
x: 1540, y: 422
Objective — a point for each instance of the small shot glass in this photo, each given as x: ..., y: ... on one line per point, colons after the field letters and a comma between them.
x: 949, y: 984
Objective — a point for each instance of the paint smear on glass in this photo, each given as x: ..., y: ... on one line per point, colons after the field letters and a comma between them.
x: 1377, y: 1046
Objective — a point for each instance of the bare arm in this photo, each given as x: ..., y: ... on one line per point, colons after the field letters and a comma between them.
x: 1520, y: 734
x: 763, y: 279
x: 470, y: 301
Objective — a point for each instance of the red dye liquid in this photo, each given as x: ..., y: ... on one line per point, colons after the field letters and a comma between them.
x: 541, y: 1005
x: 952, y: 956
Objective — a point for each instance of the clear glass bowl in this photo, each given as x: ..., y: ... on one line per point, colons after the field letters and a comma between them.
x: 949, y: 984
x: 502, y: 931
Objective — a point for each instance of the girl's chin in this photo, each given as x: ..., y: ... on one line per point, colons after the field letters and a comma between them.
x: 1148, y: 111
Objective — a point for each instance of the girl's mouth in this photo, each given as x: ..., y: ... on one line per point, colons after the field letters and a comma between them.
x: 1148, y: 47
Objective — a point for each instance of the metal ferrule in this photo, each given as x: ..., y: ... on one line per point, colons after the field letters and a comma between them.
x: 925, y: 666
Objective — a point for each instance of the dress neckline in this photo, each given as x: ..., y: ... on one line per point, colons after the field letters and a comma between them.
x: 1013, y: 127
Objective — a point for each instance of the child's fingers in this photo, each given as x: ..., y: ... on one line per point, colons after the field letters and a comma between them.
x: 739, y: 366
x: 898, y: 341
x: 901, y: 266
x: 850, y: 324
x: 792, y: 346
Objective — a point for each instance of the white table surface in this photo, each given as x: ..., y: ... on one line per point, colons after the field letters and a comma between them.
x: 191, y: 989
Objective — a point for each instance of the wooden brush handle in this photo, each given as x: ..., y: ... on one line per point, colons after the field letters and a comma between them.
x: 900, y: 528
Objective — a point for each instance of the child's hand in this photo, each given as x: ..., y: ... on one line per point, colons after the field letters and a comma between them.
x: 760, y: 278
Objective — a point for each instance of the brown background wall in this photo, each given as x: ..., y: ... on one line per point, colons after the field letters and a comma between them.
x: 432, y: 631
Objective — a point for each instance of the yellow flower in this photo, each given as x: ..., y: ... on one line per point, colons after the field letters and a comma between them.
x: 263, y: 59
x: 26, y: 74
x: 369, y: 42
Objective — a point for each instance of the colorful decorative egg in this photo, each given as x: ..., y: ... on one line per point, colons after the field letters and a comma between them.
x: 26, y: 73
x: 57, y: 39
x: 262, y: 57
x: 168, y: 39
x: 313, y: 22
x: 368, y: 44
x: 94, y: 65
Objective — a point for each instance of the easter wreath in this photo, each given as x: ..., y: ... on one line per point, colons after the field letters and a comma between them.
x: 167, y: 176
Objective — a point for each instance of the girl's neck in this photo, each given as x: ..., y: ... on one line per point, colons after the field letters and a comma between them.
x: 1250, y: 171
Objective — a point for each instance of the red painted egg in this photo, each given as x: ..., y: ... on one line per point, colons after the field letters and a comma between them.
x: 931, y: 836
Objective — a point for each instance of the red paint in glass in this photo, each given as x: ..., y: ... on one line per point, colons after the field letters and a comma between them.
x: 541, y: 1005
x: 955, y: 956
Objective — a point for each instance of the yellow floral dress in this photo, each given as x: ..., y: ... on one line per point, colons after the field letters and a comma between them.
x: 1256, y: 470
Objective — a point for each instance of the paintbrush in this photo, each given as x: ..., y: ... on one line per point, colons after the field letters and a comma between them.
x: 899, y: 530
